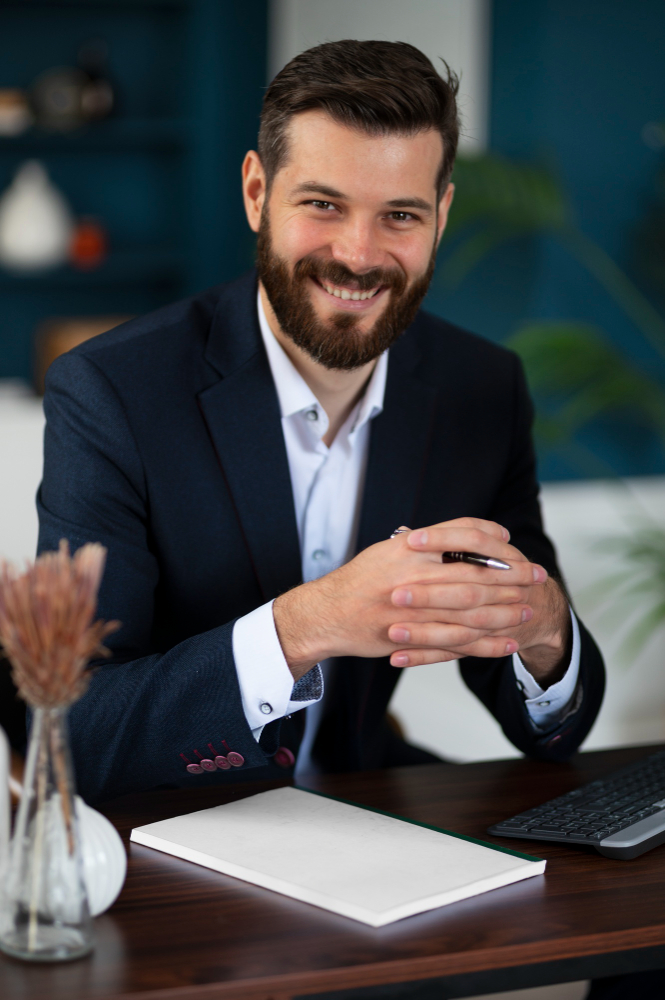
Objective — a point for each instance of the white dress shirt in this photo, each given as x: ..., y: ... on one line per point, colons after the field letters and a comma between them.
x: 327, y: 484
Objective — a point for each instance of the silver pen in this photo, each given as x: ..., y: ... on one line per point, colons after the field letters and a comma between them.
x: 476, y: 558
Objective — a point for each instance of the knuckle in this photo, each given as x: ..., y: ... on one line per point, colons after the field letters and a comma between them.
x: 481, y: 617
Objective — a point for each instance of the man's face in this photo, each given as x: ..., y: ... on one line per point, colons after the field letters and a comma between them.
x: 348, y: 236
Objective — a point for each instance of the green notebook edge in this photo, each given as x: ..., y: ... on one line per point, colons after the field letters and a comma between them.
x: 426, y: 826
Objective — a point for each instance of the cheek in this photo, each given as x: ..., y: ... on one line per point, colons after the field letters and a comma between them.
x: 298, y: 237
x: 413, y: 254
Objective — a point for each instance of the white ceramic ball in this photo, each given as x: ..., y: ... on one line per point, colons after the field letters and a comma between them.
x: 104, y: 858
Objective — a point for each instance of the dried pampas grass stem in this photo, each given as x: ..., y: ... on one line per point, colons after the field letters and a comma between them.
x: 46, y: 623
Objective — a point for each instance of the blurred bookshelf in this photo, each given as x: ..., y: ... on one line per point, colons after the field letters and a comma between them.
x: 114, y: 134
x: 161, y: 173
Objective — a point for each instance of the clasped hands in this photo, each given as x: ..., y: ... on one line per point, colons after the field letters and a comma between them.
x: 397, y: 598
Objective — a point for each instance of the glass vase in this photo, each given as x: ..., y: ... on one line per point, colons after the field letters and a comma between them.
x: 44, y: 914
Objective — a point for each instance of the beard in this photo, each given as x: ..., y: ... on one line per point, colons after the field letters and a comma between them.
x: 337, y: 343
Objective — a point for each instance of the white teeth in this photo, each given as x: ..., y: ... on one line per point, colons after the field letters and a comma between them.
x: 342, y: 293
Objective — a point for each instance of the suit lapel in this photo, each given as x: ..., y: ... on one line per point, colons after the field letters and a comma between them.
x: 400, y: 440
x: 242, y: 414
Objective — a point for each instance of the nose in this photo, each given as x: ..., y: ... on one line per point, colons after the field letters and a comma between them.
x: 358, y: 246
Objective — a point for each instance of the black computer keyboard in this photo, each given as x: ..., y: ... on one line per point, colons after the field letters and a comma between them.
x: 622, y: 815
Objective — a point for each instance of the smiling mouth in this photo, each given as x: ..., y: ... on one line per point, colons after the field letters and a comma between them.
x: 347, y: 294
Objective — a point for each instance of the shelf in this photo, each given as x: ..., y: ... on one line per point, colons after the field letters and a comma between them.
x: 98, y: 3
x: 127, y: 133
x: 122, y: 267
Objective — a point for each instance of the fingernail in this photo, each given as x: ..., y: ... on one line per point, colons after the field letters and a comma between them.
x: 505, y: 533
x: 418, y: 538
x: 400, y: 635
x: 402, y: 597
x: 511, y: 647
x: 399, y: 660
x: 527, y: 614
x: 539, y: 574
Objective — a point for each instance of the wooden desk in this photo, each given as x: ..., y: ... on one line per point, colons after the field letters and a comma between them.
x: 179, y: 931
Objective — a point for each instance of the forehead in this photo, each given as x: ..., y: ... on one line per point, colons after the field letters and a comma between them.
x: 383, y: 166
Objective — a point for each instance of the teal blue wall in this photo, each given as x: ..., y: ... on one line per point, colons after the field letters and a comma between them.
x: 573, y: 84
x: 162, y: 173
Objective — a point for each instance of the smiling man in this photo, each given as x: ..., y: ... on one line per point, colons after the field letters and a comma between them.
x: 246, y: 455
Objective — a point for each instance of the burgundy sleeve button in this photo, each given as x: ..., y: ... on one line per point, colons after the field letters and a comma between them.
x: 222, y: 763
x: 208, y: 765
x: 195, y: 769
x: 235, y: 759
x: 284, y: 758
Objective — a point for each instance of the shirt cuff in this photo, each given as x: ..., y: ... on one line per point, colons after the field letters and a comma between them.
x: 266, y: 683
x: 547, y: 708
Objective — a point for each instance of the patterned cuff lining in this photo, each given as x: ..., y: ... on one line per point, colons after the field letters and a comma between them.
x: 309, y: 687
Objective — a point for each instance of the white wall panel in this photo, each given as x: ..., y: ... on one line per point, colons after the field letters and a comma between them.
x: 455, y: 30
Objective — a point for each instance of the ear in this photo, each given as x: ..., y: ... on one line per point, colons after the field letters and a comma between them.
x: 253, y: 188
x: 444, y: 208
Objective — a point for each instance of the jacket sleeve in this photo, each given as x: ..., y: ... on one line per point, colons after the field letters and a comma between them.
x: 516, y: 506
x: 147, y: 713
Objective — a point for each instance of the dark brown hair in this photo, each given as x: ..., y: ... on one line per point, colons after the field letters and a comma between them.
x: 376, y: 87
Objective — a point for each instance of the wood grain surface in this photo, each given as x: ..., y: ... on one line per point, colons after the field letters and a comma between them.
x: 179, y: 931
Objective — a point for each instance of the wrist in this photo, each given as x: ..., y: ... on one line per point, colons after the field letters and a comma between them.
x: 547, y: 655
x: 298, y: 625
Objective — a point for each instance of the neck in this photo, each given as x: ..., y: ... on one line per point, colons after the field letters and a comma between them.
x: 337, y: 391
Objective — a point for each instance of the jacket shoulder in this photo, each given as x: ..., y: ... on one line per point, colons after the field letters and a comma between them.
x: 436, y: 338
x: 168, y: 344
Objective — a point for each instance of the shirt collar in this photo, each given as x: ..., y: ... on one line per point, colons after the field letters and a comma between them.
x: 295, y: 395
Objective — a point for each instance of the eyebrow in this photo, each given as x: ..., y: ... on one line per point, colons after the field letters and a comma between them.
x: 311, y: 187
x: 420, y: 203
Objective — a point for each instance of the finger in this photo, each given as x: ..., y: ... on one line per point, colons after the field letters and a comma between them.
x: 417, y: 657
x: 487, y: 648
x: 495, y: 618
x: 457, y: 596
x: 490, y: 527
x: 438, y: 635
x: 440, y: 539
x: 432, y: 571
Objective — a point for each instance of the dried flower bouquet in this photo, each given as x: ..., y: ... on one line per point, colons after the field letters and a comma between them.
x: 48, y: 633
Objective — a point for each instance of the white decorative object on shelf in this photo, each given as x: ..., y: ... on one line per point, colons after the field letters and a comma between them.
x: 36, y: 224
x: 104, y: 858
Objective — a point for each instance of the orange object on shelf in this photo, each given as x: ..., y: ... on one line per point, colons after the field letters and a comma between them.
x: 89, y: 244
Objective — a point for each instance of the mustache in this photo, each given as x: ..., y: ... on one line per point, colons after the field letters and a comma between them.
x: 336, y: 273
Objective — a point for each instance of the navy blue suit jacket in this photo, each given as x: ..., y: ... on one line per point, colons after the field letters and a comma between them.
x: 164, y: 443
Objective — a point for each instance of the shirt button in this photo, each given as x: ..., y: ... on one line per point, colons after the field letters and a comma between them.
x: 311, y: 415
x: 543, y: 704
x: 319, y: 554
x: 266, y: 707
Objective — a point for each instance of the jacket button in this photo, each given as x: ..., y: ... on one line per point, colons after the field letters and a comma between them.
x: 208, y: 765
x: 195, y: 769
x: 235, y: 759
x: 284, y: 758
x: 222, y: 763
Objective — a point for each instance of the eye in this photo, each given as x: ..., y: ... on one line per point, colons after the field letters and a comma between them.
x: 401, y: 216
x: 325, y: 206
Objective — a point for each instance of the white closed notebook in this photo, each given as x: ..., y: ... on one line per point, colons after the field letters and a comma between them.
x: 364, y: 864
